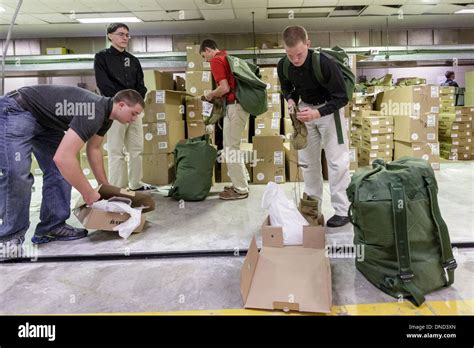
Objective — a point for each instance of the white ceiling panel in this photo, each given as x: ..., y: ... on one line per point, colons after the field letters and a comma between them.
x: 377, y: 10
x: 285, y: 3
x: 54, y: 18
x: 226, y: 4
x: 249, y: 4
x: 141, y: 5
x: 218, y: 14
x: 354, y: 2
x: 103, y: 5
x: 28, y: 6
x: 416, y: 9
x: 27, y: 19
x: 150, y: 16
x: 422, y: 2
x: 66, y: 6
x: 389, y: 2
x: 445, y: 9
x: 329, y: 3
x: 260, y: 13
x: 185, y: 15
x: 177, y: 4
x: 315, y: 10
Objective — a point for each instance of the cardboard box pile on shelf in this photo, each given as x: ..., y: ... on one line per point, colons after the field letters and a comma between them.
x: 274, y: 106
x: 469, y: 92
x: 455, y: 134
x: 270, y: 77
x: 277, y: 276
x: 162, y: 137
x: 293, y: 172
x: 376, y: 136
x: 199, y: 83
x: 270, y: 154
x: 92, y: 218
x: 194, y: 60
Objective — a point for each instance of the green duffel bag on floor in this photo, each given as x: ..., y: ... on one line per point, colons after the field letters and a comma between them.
x: 396, y: 218
x: 194, y: 163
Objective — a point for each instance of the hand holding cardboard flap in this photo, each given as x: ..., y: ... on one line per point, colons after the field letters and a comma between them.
x: 283, y: 213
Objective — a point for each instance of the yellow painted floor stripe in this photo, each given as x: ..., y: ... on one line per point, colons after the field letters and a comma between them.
x: 452, y: 307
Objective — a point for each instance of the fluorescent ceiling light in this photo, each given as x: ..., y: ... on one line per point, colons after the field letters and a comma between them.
x: 466, y: 10
x: 2, y: 9
x: 110, y: 20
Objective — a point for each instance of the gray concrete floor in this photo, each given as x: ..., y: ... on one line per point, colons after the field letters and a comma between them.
x: 203, y: 283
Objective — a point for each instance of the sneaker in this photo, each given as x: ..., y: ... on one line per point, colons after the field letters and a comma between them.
x: 145, y: 187
x: 337, y: 221
x: 63, y: 233
x: 227, y: 188
x: 12, y: 248
x: 232, y: 194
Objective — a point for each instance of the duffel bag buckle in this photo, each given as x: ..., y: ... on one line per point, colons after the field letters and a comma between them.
x: 406, y: 276
x: 451, y: 264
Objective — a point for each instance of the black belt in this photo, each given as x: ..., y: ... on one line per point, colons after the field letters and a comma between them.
x: 16, y: 95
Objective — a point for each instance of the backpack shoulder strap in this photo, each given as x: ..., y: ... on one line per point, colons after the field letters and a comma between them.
x: 316, y: 62
x: 286, y: 67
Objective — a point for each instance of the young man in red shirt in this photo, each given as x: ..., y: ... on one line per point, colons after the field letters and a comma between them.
x: 234, y: 120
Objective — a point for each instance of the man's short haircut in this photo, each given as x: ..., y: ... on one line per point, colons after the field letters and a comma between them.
x: 113, y: 27
x: 294, y: 34
x: 449, y: 74
x: 208, y: 43
x: 129, y: 97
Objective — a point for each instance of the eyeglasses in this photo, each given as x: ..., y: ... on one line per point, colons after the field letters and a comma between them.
x: 122, y: 35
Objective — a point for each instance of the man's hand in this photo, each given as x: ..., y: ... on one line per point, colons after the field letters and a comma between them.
x: 291, y: 104
x: 308, y: 114
x: 209, y: 97
x: 91, y: 197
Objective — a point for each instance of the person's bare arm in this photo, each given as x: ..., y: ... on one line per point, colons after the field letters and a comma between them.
x: 70, y: 168
x: 220, y: 91
x: 95, y: 158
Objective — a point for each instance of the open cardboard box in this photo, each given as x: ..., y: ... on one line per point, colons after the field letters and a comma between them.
x: 103, y: 220
x: 296, y: 278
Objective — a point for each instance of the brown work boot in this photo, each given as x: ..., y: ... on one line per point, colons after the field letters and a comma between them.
x: 232, y: 194
x: 310, y: 208
x: 299, y: 137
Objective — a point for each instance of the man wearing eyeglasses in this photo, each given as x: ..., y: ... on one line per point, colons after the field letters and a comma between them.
x: 116, y: 70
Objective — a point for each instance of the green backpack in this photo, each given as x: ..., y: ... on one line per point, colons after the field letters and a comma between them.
x: 342, y: 60
x: 396, y: 218
x: 194, y: 163
x: 251, y: 92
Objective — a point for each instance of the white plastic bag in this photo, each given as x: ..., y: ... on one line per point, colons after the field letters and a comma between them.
x: 284, y: 213
x: 121, y: 205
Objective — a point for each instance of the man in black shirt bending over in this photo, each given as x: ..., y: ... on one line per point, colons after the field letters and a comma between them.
x: 317, y: 106
x: 53, y: 122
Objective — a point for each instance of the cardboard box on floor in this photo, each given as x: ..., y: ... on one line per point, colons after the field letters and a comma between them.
x: 162, y: 137
x: 158, y: 80
x: 158, y: 169
x: 449, y: 147
x: 416, y: 129
x: 454, y: 156
x: 195, y: 60
x: 277, y: 277
x: 293, y: 172
x: 102, y: 220
x: 428, y: 151
x: 410, y: 101
x: 198, y: 83
x: 198, y: 128
x: 164, y: 105
x: 270, y: 154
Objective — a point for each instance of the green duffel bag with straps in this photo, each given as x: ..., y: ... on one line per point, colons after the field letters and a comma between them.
x: 396, y: 218
x: 194, y: 165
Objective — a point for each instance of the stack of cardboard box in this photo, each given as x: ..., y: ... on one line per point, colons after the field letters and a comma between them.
x: 195, y: 111
x: 415, y: 111
x: 268, y: 123
x: 270, y: 159
x: 163, y: 127
x: 455, y: 132
x: 360, y: 103
x: 469, y: 92
x: 198, y: 73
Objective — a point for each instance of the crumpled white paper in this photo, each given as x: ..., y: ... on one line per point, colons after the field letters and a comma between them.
x: 121, y: 205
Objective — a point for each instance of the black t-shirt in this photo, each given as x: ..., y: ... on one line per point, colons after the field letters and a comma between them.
x: 64, y: 107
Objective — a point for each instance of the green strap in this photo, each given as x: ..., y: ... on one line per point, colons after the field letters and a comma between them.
x: 402, y: 243
x: 449, y: 263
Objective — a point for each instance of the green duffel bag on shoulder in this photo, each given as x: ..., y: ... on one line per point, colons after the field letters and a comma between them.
x: 194, y: 163
x: 396, y: 218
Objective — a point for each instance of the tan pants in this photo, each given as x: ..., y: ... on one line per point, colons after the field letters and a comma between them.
x: 234, y: 124
x: 322, y: 135
x: 122, y: 138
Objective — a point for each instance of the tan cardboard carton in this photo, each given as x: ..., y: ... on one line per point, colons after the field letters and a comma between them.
x: 270, y: 154
x: 195, y: 60
x: 276, y: 278
x: 447, y: 90
x: 464, y: 110
x: 198, y: 128
x: 427, y: 151
x: 466, y: 141
x: 293, y: 172
x: 180, y: 84
x: 456, y: 117
x: 87, y: 170
x: 101, y: 220
x: 410, y: 101
x: 288, y: 129
x: 373, y: 121
x: 198, y: 83
x: 416, y: 129
x: 454, y: 156
x: 158, y: 80
x: 449, y: 147
x: 377, y: 139
x: 464, y: 126
x: 158, y: 169
x: 267, y: 126
x: 162, y: 137
x: 355, y: 142
x: 164, y: 105
x: 353, y: 158
x: 377, y: 129
x: 375, y: 146
x: 450, y: 133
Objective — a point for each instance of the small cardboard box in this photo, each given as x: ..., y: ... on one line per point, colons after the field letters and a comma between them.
x: 270, y: 154
x: 194, y: 108
x: 428, y: 151
x: 374, y: 121
x: 449, y: 147
x: 267, y: 126
x: 158, y: 169
x: 447, y: 97
x: 102, y: 220
x: 288, y: 129
x: 198, y: 128
x: 158, y: 80
x: 56, y: 50
x: 370, y: 153
x: 288, y: 278
x: 293, y: 172
x: 356, y: 131
x: 459, y: 110
x: 416, y: 129
x: 455, y: 125
x: 456, y: 117
x: 467, y: 141
x: 271, y: 114
x: 195, y: 60
x: 443, y: 90
x: 198, y: 83
x: 450, y: 133
x: 378, y: 139
x: 454, y: 156
x: 162, y: 137
x: 377, y: 129
x: 163, y: 105
x: 410, y: 101
x: 356, y: 142
x: 376, y: 146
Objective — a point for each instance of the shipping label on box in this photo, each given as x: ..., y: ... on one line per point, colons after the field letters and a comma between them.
x: 198, y: 83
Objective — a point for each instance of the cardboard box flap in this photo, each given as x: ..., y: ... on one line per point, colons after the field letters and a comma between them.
x: 313, y: 238
x: 272, y: 236
x: 248, y: 269
x: 138, y: 198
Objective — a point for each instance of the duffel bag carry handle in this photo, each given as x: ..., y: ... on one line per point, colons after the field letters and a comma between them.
x: 449, y: 263
x: 402, y: 244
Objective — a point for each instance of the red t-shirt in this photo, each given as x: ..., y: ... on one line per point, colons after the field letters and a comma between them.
x: 221, y: 71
